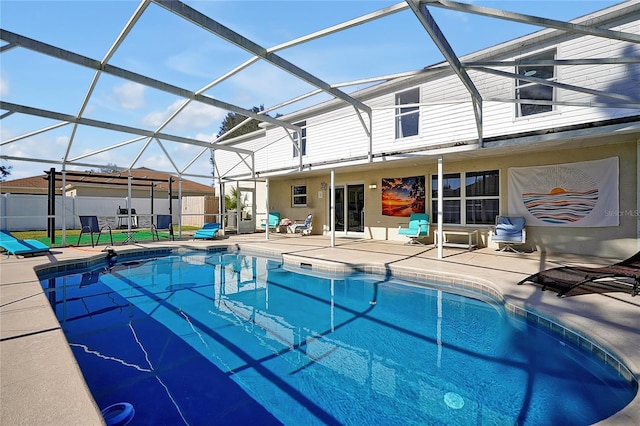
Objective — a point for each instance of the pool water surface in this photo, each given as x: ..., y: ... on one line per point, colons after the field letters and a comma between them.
x: 222, y: 338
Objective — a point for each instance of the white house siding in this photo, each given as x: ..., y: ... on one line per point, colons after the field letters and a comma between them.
x: 337, y: 134
x: 231, y: 163
x: 447, y: 116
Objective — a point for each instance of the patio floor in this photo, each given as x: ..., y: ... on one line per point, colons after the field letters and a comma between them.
x: 41, y: 383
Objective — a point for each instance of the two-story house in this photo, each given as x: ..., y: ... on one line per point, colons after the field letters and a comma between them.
x: 549, y: 130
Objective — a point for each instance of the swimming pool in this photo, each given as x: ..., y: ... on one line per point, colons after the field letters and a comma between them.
x: 221, y: 338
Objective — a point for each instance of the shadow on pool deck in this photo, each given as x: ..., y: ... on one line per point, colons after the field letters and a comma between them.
x: 42, y: 384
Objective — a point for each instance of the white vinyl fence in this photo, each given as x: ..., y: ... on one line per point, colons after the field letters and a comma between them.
x: 23, y: 212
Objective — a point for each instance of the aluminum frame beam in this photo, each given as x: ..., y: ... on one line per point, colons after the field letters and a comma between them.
x: 111, y: 126
x: 208, y: 24
x: 534, y: 20
x: 555, y: 84
x: 85, y: 61
x: 430, y: 25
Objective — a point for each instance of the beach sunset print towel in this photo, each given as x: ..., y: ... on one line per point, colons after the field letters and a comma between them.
x: 403, y: 196
x: 575, y: 194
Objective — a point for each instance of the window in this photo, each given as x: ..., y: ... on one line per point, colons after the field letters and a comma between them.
x: 450, y: 198
x: 534, y: 91
x: 299, y: 195
x: 407, y: 118
x: 480, y: 198
x: 303, y: 141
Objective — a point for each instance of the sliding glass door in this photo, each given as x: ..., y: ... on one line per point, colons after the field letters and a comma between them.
x: 349, y: 209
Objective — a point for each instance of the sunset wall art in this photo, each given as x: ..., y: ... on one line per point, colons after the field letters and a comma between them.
x: 403, y: 196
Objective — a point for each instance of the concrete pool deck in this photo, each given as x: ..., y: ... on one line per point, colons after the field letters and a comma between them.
x: 41, y: 384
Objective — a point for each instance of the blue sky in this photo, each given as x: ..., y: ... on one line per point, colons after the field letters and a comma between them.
x: 167, y: 48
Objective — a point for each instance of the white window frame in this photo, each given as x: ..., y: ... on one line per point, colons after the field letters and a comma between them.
x: 463, y: 198
x: 522, y: 70
x: 413, y: 109
x: 302, y: 142
x: 296, y: 198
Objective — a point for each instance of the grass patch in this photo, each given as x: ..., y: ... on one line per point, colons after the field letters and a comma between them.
x: 119, y: 236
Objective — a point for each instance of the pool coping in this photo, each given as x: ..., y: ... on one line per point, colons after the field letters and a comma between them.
x: 413, y: 267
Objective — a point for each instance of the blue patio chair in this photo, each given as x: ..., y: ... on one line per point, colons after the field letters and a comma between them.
x: 509, y: 231
x: 90, y: 224
x: 273, y: 223
x: 163, y: 223
x: 416, y: 228
x: 207, y: 232
x: 17, y: 247
x: 305, y: 228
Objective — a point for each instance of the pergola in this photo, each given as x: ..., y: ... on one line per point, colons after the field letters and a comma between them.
x: 161, y: 136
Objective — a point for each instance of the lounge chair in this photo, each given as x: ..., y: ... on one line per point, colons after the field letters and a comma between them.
x: 416, y: 228
x: 509, y: 231
x: 272, y: 223
x: 17, y: 247
x: 574, y: 280
x: 163, y: 223
x: 207, y: 232
x: 90, y: 224
x: 305, y: 228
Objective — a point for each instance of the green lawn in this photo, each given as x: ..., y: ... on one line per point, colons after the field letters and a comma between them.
x: 119, y: 236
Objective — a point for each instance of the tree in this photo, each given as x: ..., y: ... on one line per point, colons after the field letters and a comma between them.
x: 232, y: 119
x: 4, y: 172
x: 109, y: 168
x: 232, y: 202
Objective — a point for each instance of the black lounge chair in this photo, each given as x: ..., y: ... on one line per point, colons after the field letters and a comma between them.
x: 574, y: 280
x: 164, y: 222
x: 90, y: 224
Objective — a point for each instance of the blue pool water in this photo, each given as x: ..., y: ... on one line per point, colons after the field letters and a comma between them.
x: 219, y: 338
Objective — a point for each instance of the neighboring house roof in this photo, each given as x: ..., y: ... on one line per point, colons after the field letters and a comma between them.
x: 38, y: 184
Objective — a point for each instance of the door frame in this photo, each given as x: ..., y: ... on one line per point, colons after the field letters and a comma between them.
x: 344, y: 186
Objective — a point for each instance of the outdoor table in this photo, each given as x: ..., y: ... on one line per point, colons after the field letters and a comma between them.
x: 130, y: 237
x: 471, y: 234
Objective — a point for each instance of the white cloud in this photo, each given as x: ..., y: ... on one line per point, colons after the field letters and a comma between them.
x: 4, y: 87
x: 130, y: 95
x: 195, y: 116
x: 41, y: 147
x: 265, y: 85
x: 207, y: 137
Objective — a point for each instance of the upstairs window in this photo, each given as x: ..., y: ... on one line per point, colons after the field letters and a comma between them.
x: 407, y: 118
x: 300, y: 141
x: 535, y: 91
